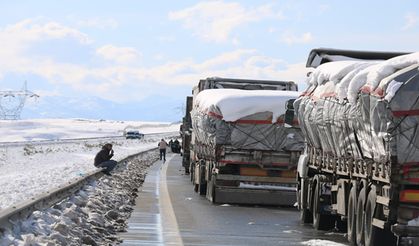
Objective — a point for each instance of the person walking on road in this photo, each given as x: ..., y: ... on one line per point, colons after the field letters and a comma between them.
x: 103, y: 159
x: 162, y: 147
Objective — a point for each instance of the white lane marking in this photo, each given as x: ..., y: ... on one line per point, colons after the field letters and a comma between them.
x: 158, y: 215
x: 170, y: 225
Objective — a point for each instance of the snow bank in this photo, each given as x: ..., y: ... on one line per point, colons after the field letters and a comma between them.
x: 235, y: 104
x: 93, y: 216
x: 30, y: 169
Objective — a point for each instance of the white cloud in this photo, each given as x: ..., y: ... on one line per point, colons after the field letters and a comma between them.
x: 118, y: 54
x: 216, y: 20
x: 126, y: 80
x: 291, y: 38
x: 100, y: 23
x: 17, y: 38
x: 30, y: 30
x: 411, y: 21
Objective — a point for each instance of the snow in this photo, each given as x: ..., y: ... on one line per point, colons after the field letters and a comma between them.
x: 414, y: 222
x: 235, y: 104
x: 353, y: 75
x: 93, y: 215
x: 341, y: 89
x: 320, y: 242
x: 332, y: 71
x: 31, y: 168
x: 389, y: 66
x: 358, y: 81
x: 51, y: 129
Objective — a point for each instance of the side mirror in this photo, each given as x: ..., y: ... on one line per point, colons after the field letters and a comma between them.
x: 289, y: 113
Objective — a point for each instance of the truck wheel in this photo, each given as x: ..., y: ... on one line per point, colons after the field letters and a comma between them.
x: 351, y: 221
x: 375, y: 235
x: 305, y: 214
x: 320, y: 221
x: 371, y: 232
x: 360, y: 218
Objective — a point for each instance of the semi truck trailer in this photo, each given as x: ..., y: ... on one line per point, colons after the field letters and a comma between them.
x: 186, y: 135
x: 359, y: 170
x: 241, y: 149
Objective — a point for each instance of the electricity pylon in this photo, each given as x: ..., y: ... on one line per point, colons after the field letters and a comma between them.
x: 12, y: 102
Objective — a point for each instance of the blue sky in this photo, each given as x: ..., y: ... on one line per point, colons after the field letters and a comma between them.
x: 138, y: 60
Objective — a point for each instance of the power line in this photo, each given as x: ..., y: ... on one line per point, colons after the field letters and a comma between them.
x: 12, y: 102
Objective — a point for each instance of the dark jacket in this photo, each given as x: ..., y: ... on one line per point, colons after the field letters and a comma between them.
x: 102, y: 156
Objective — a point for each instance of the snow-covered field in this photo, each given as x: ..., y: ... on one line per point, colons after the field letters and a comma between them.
x: 92, y: 216
x: 53, y: 129
x: 32, y: 168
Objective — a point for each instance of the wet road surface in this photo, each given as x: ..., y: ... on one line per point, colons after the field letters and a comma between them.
x: 168, y: 212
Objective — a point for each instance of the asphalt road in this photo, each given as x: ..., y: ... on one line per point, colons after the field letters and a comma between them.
x: 168, y: 212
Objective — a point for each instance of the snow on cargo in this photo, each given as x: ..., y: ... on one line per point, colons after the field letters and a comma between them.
x: 332, y: 71
x: 233, y: 104
x: 349, y: 77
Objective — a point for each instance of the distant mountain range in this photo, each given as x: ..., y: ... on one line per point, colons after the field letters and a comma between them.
x: 151, y: 109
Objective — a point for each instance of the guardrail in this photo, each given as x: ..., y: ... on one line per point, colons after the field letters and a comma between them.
x: 47, y: 199
x: 73, y: 140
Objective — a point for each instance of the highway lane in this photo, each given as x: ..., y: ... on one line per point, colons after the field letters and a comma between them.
x: 168, y: 212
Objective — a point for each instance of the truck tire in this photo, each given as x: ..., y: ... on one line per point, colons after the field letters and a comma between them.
x: 375, y: 235
x: 320, y: 221
x: 360, y: 218
x: 351, y: 221
x: 370, y: 231
x: 305, y: 214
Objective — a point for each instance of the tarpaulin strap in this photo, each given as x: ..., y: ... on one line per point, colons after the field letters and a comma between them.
x: 215, y: 115
x: 407, y: 169
x: 263, y: 122
x: 250, y: 162
x: 411, y: 140
x: 251, y: 137
x: 252, y: 122
x: 402, y: 113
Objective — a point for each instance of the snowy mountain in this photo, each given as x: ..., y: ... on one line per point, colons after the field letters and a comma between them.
x: 149, y: 109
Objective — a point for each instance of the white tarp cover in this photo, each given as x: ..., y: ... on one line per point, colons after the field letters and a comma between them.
x: 363, y: 110
x: 243, y: 119
x: 233, y: 104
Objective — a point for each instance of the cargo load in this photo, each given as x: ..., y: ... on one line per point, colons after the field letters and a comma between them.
x: 243, y: 119
x: 242, y: 151
x: 360, y: 120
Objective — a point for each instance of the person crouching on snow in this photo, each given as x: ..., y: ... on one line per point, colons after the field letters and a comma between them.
x: 103, y: 159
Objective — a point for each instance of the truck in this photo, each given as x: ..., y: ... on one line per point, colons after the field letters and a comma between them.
x: 241, y: 150
x: 359, y: 171
x: 186, y: 134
